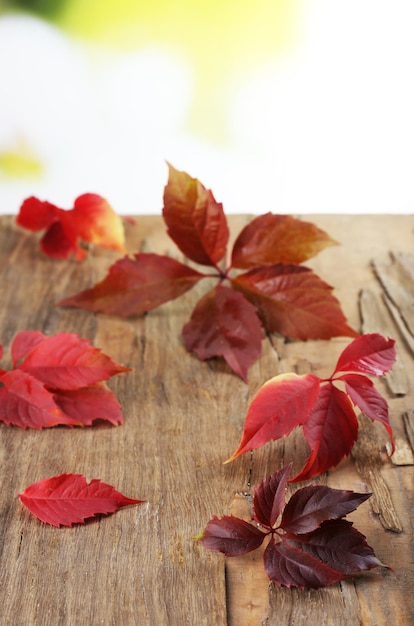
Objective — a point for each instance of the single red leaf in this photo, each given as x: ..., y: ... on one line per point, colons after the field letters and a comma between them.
x: 294, y: 301
x: 270, y: 239
x: 23, y: 343
x: 331, y: 430
x: 68, y: 499
x: 64, y: 361
x: 25, y: 402
x: 195, y: 221
x: 281, y: 404
x: 339, y: 545
x: 231, y: 535
x: 269, y: 497
x: 135, y: 286
x: 363, y: 394
x: 34, y: 214
x: 370, y: 353
x: 310, y: 506
x: 86, y: 405
x: 94, y: 221
x: 225, y: 324
x: 289, y: 566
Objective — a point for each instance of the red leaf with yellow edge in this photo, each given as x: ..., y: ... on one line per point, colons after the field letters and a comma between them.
x: 64, y: 361
x: 95, y: 222
x: 271, y: 239
x: 135, y: 286
x: 195, y: 221
x: 225, y: 324
x: 25, y: 402
x: 86, y: 405
x: 294, y: 301
x: 280, y: 405
x: 68, y: 499
x: 331, y: 430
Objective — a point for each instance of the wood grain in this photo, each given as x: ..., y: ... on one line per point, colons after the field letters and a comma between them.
x: 142, y: 566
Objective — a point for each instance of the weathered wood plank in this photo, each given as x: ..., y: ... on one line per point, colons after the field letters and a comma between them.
x: 183, y: 418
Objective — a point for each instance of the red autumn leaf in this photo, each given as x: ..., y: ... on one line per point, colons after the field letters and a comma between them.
x: 312, y: 505
x: 195, y: 221
x: 57, y: 379
x: 231, y: 535
x: 324, y: 411
x: 269, y: 497
x: 339, y: 545
x: 25, y: 402
x: 280, y: 405
x: 287, y: 298
x: 370, y: 354
x: 64, y: 361
x: 68, y: 499
x: 135, y: 286
x: 225, y: 324
x: 313, y: 546
x: 289, y: 566
x: 84, y: 406
x: 270, y: 239
x: 293, y: 301
x: 91, y: 220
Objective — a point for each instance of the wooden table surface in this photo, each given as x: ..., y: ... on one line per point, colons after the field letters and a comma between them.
x: 183, y: 418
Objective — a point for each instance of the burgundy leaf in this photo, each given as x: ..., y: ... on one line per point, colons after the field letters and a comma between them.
x: 231, y: 535
x: 68, y: 499
x: 339, y: 545
x: 291, y: 567
x: 370, y: 354
x: 363, y: 394
x: 86, y: 405
x: 25, y: 402
x: 310, y: 506
x: 270, y: 239
x: 225, y: 324
x: 195, y: 221
x: 135, y: 286
x: 281, y: 404
x: 269, y: 497
x: 293, y: 301
x: 331, y: 430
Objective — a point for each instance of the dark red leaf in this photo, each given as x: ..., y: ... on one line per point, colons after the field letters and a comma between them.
x: 68, y: 499
x: 195, y: 221
x: 293, y: 301
x: 64, y: 361
x: 370, y: 354
x: 310, y: 506
x: 281, y: 404
x: 339, y: 545
x: 59, y: 242
x: 86, y: 405
x: 270, y: 239
x: 25, y: 402
x: 331, y: 430
x: 269, y: 497
x: 363, y: 394
x: 135, y: 286
x: 225, y: 324
x: 231, y: 535
x: 291, y: 567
